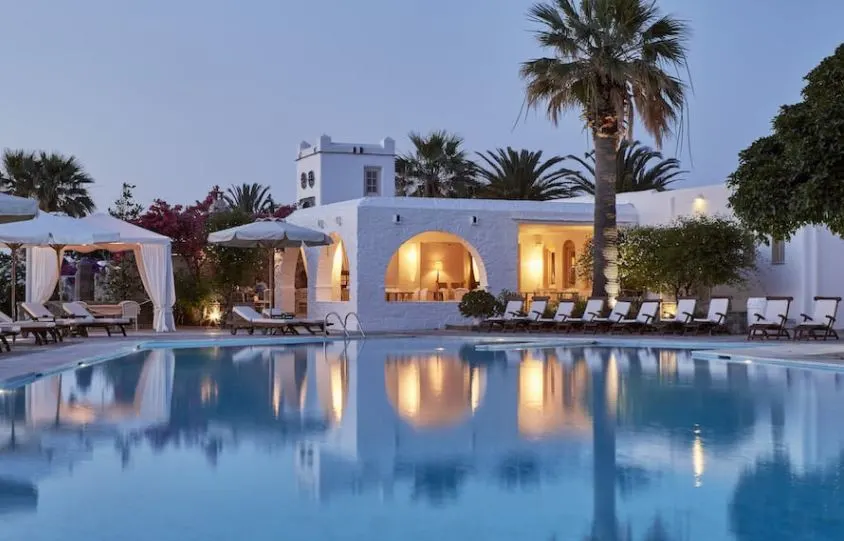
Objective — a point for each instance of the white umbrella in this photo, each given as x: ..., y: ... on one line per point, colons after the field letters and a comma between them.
x: 14, y: 209
x: 50, y: 230
x: 269, y: 233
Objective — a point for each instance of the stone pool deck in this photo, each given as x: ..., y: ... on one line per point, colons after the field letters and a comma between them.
x: 27, y: 358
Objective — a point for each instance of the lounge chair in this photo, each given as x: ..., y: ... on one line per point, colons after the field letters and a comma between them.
x: 771, y: 324
x: 39, y: 312
x: 819, y: 326
x: 42, y: 331
x: 245, y: 317
x: 644, y: 321
x: 86, y: 320
x: 683, y: 315
x: 715, y: 320
x: 536, y: 311
x: 511, y: 310
x: 7, y: 330
x: 594, y: 308
x: 563, y: 313
x: 619, y: 312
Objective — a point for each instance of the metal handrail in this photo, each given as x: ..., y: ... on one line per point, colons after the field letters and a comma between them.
x: 346, y: 324
x: 339, y: 320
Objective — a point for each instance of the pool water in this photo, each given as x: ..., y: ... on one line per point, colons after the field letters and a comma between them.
x: 425, y: 438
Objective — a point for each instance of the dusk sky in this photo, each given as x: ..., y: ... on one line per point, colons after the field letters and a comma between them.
x: 176, y: 96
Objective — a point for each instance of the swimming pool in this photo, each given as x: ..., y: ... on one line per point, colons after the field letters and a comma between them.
x: 424, y: 438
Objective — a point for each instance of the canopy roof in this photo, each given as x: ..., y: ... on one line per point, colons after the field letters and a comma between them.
x: 15, y: 209
x: 55, y: 230
x: 269, y: 234
x: 129, y: 235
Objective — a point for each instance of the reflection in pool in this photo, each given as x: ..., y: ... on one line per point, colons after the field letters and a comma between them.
x: 420, y: 439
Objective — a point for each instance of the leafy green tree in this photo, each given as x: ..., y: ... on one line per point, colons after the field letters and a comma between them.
x: 689, y: 255
x: 123, y: 282
x: 59, y: 183
x: 437, y: 167
x: 610, y: 60
x: 231, y: 267
x: 795, y: 176
x: 638, y: 168
x: 511, y: 174
x: 125, y: 207
x: 250, y: 198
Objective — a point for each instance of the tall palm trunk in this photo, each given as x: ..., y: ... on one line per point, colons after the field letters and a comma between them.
x: 605, y: 238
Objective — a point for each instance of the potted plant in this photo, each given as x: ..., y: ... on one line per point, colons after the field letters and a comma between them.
x: 478, y: 305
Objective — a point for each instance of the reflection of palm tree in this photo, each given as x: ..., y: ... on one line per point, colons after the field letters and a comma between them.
x: 774, y: 502
x: 604, y: 521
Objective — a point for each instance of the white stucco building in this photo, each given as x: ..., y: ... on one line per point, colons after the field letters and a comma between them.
x: 403, y: 263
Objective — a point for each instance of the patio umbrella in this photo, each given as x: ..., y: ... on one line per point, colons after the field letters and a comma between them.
x: 15, y: 209
x: 272, y: 234
x: 52, y: 230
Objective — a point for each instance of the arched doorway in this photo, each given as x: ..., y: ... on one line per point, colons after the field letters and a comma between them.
x: 300, y: 285
x: 433, y: 266
x: 333, y: 276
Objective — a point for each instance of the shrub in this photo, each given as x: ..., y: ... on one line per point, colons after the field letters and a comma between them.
x: 478, y: 304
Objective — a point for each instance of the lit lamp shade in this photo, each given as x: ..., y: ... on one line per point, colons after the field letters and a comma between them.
x: 438, y: 266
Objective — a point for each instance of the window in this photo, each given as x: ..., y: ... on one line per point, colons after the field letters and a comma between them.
x: 777, y: 252
x: 371, y: 180
x: 303, y: 180
x: 311, y: 179
x: 307, y: 202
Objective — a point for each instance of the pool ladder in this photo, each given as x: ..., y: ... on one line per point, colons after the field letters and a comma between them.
x: 344, y: 323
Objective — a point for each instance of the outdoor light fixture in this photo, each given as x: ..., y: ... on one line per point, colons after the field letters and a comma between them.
x: 699, y: 204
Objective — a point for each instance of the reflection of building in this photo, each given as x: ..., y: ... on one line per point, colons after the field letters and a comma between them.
x: 61, y: 401
x: 429, y: 409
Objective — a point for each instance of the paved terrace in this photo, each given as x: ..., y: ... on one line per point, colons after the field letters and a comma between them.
x: 26, y: 359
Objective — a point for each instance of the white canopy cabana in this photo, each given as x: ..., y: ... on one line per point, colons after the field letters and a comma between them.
x: 14, y: 209
x: 153, y: 254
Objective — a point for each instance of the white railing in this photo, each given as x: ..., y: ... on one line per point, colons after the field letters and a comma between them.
x: 343, y: 323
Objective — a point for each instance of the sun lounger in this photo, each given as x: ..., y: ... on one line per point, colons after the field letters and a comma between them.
x: 511, y: 310
x: 644, y: 320
x: 683, y: 315
x: 86, y: 320
x: 564, y: 310
x: 771, y: 324
x: 536, y: 311
x: 42, y: 331
x: 594, y: 308
x: 819, y: 326
x: 619, y: 312
x: 715, y: 320
x: 245, y: 317
x: 39, y: 312
x: 7, y: 330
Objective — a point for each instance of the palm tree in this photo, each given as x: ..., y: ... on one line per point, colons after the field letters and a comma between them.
x: 437, y: 167
x: 59, y: 183
x: 610, y: 59
x: 522, y: 175
x: 250, y: 198
x: 634, y: 170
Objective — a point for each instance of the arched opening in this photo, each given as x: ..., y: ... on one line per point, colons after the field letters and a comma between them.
x: 333, y: 275
x: 300, y: 284
x: 433, y: 391
x: 433, y: 266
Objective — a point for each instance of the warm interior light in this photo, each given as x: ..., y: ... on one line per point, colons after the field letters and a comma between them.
x: 438, y: 266
x: 698, y: 459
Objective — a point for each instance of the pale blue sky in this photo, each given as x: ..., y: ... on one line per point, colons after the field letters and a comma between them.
x: 178, y: 95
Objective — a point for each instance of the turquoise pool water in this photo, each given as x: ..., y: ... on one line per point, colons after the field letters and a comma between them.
x: 423, y: 439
